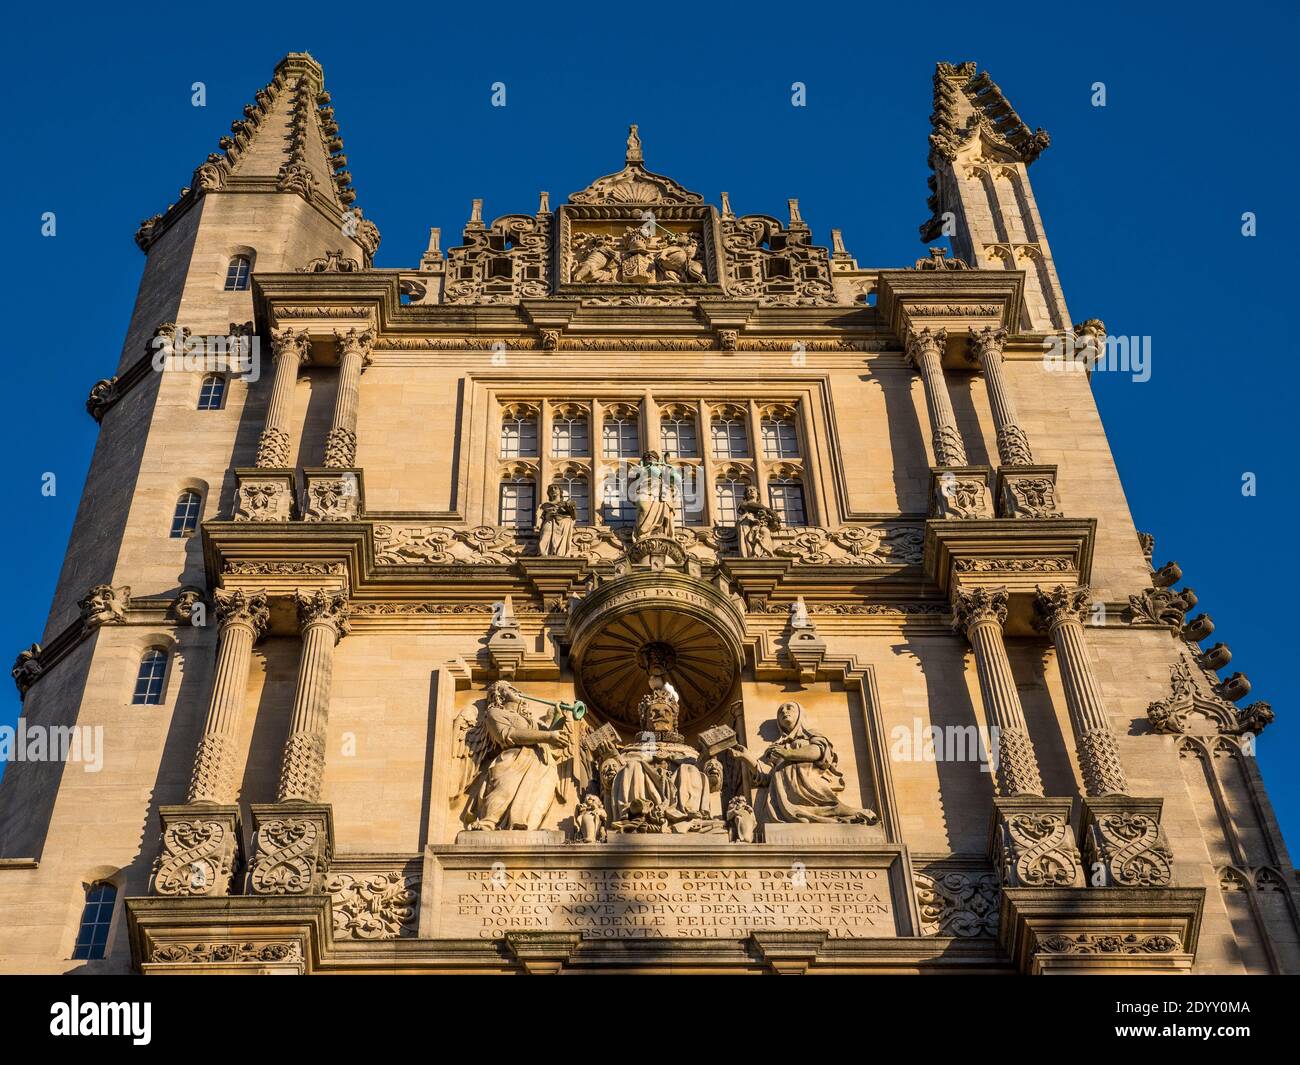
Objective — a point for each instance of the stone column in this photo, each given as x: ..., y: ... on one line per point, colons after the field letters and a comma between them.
x: 980, y: 614
x: 925, y: 349
x: 354, y: 356
x: 201, y: 850
x: 290, y: 350
x: 1060, y: 612
x: 242, y: 619
x: 986, y: 350
x: 323, y: 617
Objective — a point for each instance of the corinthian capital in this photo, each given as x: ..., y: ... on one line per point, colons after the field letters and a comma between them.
x: 925, y: 342
x: 323, y: 607
x: 986, y: 343
x: 291, y: 343
x: 241, y: 608
x: 354, y: 343
x: 979, y: 604
x: 1062, y: 604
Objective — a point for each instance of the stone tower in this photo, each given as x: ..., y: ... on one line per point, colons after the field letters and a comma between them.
x: 757, y: 609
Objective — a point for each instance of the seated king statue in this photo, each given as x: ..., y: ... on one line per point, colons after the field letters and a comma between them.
x: 657, y: 783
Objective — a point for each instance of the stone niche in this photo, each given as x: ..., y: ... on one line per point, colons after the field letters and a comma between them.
x: 674, y: 887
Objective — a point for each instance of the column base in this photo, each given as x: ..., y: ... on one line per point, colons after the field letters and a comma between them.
x: 333, y: 494
x: 1072, y: 931
x: 202, y: 851
x: 1124, y: 844
x: 1027, y: 492
x: 961, y: 492
x: 264, y: 495
x: 293, y: 845
x: 1032, y: 844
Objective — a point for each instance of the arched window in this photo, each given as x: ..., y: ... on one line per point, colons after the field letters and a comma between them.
x: 574, y: 488
x: 692, y: 488
x: 677, y: 435
x: 149, y: 678
x: 728, y: 493
x: 780, y: 441
x: 730, y: 440
x: 616, y: 507
x: 621, y: 434
x: 239, y: 270
x: 786, y: 498
x: 518, y: 503
x: 212, y: 393
x: 570, y: 437
x: 96, y: 919
x: 186, y: 517
x: 518, y: 433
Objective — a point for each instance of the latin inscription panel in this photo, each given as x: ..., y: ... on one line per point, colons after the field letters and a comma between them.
x: 694, y: 891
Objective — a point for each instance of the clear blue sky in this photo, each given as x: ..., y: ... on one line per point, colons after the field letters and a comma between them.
x: 1142, y: 202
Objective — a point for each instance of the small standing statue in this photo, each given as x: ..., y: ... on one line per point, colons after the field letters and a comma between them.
x: 741, y: 820
x: 522, y: 760
x: 555, y: 521
x: 658, y: 490
x: 799, y: 776
x: 755, y: 524
x: 589, y: 821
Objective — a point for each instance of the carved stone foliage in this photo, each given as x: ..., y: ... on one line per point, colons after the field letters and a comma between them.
x: 776, y: 265
x: 200, y: 853
x: 1025, y: 495
x: 503, y: 264
x: 436, y: 545
x: 291, y: 854
x: 197, y: 953
x: 104, y: 604
x: 240, y: 608
x: 371, y: 906
x: 1193, y: 707
x: 961, y: 495
x: 897, y: 545
x: 1103, y: 943
x: 959, y: 903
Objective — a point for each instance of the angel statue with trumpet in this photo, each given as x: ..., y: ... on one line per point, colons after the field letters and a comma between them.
x: 517, y: 761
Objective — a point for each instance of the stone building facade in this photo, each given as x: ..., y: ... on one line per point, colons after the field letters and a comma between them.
x: 636, y: 585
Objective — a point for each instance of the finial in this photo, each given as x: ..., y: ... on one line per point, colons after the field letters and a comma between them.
x: 435, y: 243
x: 633, y: 146
x: 795, y: 220
x: 837, y: 243
x: 476, y: 213
x: 726, y: 206
x: 544, y: 203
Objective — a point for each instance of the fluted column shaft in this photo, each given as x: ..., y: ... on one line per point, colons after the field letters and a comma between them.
x: 980, y: 614
x: 354, y: 356
x: 1061, y: 612
x: 323, y: 617
x: 290, y: 350
x: 243, y: 619
x: 1013, y: 443
x: 925, y: 349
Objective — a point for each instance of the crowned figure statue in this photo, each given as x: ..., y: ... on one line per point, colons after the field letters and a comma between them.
x: 658, y: 782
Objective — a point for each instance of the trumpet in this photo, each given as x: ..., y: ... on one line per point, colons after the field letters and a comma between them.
x: 577, y: 709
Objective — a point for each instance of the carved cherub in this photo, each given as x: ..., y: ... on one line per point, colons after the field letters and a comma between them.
x: 589, y: 821
x: 741, y: 820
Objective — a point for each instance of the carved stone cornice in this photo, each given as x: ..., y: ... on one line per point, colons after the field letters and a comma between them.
x: 953, y: 300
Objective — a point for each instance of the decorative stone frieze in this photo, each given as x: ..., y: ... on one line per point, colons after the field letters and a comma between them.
x: 372, y: 906
x: 962, y: 903
x: 332, y: 495
x: 1028, y: 492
